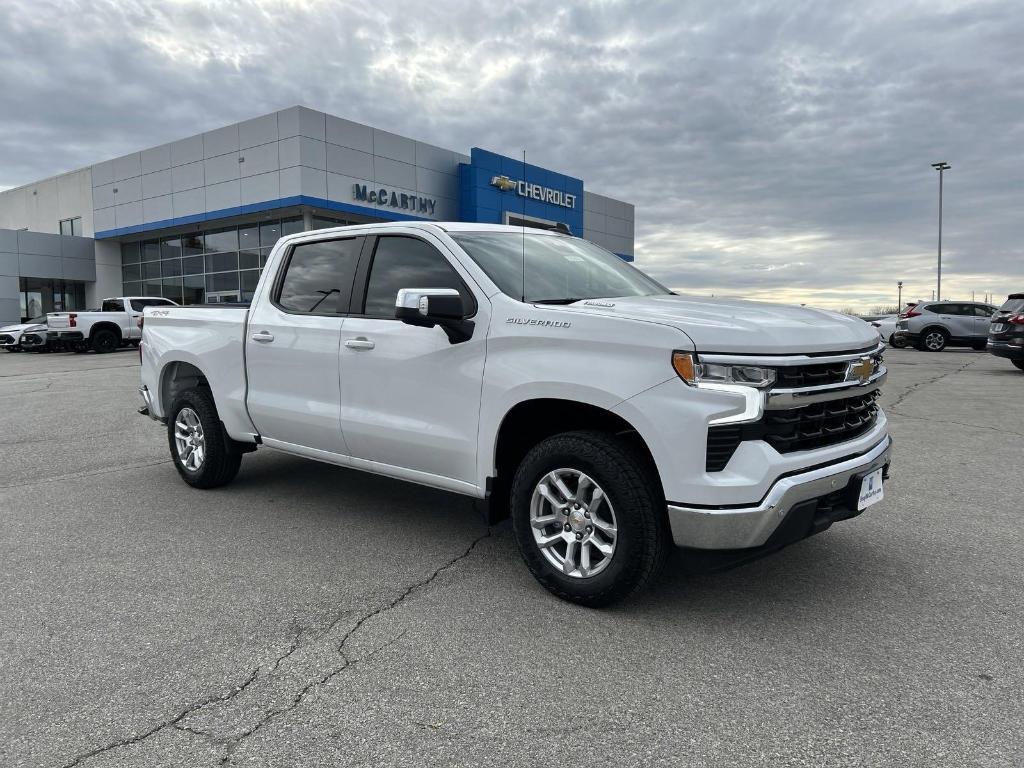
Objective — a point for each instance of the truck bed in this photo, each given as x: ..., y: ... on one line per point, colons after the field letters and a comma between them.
x: 214, y: 337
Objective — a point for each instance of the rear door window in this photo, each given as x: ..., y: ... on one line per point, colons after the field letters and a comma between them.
x: 318, y: 277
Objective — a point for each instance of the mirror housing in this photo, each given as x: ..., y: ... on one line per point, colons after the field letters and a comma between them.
x: 427, y: 307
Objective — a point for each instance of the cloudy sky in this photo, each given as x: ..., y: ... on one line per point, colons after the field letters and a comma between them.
x: 777, y: 150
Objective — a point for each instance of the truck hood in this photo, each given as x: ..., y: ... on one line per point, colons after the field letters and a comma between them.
x: 750, y: 327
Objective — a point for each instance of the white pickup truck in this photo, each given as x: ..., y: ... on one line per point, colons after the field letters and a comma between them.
x: 610, y: 417
x: 113, y: 326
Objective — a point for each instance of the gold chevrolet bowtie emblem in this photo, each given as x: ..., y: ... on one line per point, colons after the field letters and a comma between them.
x: 504, y: 183
x: 862, y: 370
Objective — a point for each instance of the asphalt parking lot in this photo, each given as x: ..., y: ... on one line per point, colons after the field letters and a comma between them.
x: 312, y: 615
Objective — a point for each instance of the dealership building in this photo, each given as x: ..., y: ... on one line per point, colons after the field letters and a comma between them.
x: 194, y: 220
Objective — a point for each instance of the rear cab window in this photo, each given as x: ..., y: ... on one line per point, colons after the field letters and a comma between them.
x: 112, y: 305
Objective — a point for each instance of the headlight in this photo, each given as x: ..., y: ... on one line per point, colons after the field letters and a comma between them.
x: 692, y: 371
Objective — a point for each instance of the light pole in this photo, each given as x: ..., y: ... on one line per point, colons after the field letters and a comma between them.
x: 940, y: 167
x: 899, y: 296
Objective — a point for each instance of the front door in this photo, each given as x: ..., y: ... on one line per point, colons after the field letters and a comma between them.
x: 292, y: 346
x: 410, y: 398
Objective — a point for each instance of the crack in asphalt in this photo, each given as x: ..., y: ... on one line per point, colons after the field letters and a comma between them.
x: 232, y: 744
x: 914, y: 387
x: 77, y: 475
x: 167, y: 723
x: 892, y: 411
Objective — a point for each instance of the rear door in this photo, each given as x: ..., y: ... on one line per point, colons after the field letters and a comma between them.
x: 293, y: 334
x: 411, y: 398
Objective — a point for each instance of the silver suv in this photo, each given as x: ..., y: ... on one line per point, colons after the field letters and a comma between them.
x: 934, y: 325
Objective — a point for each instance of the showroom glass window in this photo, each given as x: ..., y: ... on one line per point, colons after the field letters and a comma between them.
x: 219, y: 264
x: 407, y: 262
x: 318, y: 277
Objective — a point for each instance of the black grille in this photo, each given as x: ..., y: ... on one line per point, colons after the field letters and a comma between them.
x: 821, y: 424
x: 722, y: 444
x: 6, y: 339
x: 797, y: 429
x: 817, y: 375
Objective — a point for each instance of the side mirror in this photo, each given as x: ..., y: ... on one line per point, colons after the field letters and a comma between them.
x: 427, y: 307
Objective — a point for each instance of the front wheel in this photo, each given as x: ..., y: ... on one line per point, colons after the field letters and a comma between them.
x: 589, y: 517
x: 203, y: 453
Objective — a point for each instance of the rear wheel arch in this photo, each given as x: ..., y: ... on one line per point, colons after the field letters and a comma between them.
x: 112, y: 327
x: 178, y: 377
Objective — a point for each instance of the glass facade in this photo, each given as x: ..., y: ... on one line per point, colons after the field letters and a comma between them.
x: 41, y: 295
x: 220, y: 264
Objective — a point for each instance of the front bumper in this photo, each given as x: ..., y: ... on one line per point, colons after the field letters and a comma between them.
x: 1005, y: 349
x: 747, y: 527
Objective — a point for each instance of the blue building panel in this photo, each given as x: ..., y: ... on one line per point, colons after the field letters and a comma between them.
x: 525, y: 183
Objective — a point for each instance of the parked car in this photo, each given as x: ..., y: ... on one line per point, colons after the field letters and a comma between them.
x: 1006, y: 332
x: 609, y: 416
x: 11, y: 335
x: 36, y: 341
x: 886, y: 327
x: 935, y: 325
x: 113, y: 326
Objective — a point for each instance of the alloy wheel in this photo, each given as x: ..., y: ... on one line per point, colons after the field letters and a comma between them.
x: 573, y: 523
x: 935, y: 341
x: 189, y: 440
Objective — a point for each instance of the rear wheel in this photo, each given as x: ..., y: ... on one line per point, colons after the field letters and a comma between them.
x: 896, y: 342
x: 1019, y: 364
x: 105, y: 341
x: 589, y: 517
x: 203, y: 453
x: 934, y: 340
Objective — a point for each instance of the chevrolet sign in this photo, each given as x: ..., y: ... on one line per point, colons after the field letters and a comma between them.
x: 535, y: 191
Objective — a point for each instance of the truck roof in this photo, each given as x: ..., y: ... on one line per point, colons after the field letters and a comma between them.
x: 445, y: 226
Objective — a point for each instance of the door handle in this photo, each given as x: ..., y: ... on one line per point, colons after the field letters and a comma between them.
x: 359, y: 343
x: 263, y: 336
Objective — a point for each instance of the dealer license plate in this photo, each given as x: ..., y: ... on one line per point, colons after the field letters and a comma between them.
x: 996, y: 328
x: 870, y: 490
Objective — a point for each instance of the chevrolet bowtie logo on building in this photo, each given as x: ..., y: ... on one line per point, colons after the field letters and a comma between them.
x: 534, y: 191
x: 861, y: 370
x: 504, y: 183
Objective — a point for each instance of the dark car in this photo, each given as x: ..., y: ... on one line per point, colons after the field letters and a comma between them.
x: 1006, y: 332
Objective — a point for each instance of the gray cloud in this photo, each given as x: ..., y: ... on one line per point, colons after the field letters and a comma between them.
x: 774, y: 150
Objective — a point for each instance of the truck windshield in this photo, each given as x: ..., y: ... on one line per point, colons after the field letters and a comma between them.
x: 559, y: 270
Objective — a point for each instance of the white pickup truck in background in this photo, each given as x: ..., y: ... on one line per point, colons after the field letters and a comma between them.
x: 113, y: 326
x: 610, y: 417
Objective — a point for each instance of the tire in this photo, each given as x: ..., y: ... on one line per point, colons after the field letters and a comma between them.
x: 104, y: 341
x: 896, y: 343
x: 221, y: 456
x: 933, y: 340
x: 633, y: 503
x: 1019, y: 364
